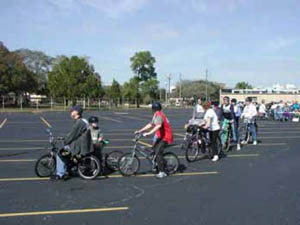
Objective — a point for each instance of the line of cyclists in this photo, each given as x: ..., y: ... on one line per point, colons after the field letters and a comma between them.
x: 86, y: 137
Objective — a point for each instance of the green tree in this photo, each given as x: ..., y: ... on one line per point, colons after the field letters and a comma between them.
x: 150, y: 90
x: 142, y: 64
x: 14, y: 76
x: 114, y: 92
x: 38, y: 63
x: 73, y: 78
x: 243, y: 85
x: 130, y: 90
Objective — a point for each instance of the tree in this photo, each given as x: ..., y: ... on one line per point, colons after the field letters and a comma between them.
x: 243, y: 85
x: 150, y: 90
x: 73, y: 78
x: 130, y: 89
x: 38, y: 63
x: 142, y: 64
x: 190, y: 88
x: 114, y: 92
x: 14, y: 76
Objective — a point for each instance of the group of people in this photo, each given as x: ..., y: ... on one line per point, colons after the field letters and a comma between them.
x: 213, y: 118
x: 86, y: 135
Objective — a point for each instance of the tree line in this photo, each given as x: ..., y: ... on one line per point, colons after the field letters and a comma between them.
x: 26, y: 71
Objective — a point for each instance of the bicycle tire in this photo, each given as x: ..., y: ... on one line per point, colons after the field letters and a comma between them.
x: 112, y: 160
x: 89, y: 167
x: 171, y: 162
x: 128, y: 165
x: 47, y: 163
x: 192, y: 152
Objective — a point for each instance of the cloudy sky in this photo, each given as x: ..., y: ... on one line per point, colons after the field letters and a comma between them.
x: 257, y: 41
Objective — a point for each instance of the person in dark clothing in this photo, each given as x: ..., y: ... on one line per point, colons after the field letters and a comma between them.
x: 227, y: 113
x: 78, y: 141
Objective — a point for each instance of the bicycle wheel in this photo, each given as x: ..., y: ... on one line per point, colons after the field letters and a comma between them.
x: 45, y: 166
x: 89, y: 167
x: 128, y: 165
x: 171, y: 162
x: 112, y: 159
x: 192, y: 151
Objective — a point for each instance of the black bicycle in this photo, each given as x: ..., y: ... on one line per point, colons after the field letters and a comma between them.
x: 196, y: 144
x: 129, y: 163
x: 88, y: 167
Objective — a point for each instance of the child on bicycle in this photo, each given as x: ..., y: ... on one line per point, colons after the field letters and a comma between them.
x: 96, y: 133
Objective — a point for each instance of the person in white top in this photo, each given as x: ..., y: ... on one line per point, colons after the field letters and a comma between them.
x: 198, y: 115
x: 249, y: 114
x: 212, y: 124
x: 262, y: 109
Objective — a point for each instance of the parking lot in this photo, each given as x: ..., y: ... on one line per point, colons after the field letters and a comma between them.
x: 258, y: 185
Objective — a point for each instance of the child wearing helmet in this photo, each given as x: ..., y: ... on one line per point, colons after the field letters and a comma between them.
x: 96, y: 133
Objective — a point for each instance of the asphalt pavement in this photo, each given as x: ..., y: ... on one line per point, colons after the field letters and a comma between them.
x: 258, y: 185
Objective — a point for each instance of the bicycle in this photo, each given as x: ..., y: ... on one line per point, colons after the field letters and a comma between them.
x: 129, y: 163
x: 196, y: 144
x: 88, y: 167
x: 226, y: 135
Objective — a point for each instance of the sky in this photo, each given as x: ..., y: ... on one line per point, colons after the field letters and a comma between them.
x: 257, y: 41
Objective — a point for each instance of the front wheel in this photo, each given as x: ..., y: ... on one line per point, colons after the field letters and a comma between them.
x: 192, y: 151
x: 128, y: 164
x: 112, y: 159
x: 171, y: 162
x: 45, y: 166
x: 89, y: 167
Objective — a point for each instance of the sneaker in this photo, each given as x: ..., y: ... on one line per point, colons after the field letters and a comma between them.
x: 215, y: 158
x: 254, y: 142
x: 244, y: 142
x: 161, y: 175
x: 238, y: 147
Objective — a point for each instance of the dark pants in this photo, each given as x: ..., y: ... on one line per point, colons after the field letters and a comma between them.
x: 214, y: 135
x: 158, y: 148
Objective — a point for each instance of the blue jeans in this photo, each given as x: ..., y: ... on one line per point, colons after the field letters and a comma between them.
x: 252, y: 128
x: 60, y: 166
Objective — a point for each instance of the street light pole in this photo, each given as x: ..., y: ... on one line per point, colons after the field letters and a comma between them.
x: 206, y: 94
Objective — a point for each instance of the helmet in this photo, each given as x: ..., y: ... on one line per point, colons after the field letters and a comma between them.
x: 156, y: 106
x: 248, y: 99
x: 78, y: 109
x: 93, y: 119
x: 234, y: 100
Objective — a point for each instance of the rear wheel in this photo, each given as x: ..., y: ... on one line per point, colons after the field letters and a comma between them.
x: 128, y: 165
x: 89, y: 167
x: 112, y: 159
x: 171, y: 162
x: 45, y: 166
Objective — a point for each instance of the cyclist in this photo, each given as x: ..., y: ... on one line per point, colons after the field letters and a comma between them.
x: 75, y: 142
x: 262, y: 109
x: 159, y: 125
x: 227, y: 113
x: 213, y: 127
x: 250, y: 113
x: 96, y: 133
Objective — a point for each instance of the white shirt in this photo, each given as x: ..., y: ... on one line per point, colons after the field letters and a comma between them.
x: 214, y: 122
x: 249, y: 112
x: 262, y: 108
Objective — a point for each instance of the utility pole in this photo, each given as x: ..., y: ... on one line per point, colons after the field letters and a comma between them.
x: 169, y: 84
x: 180, y: 86
x: 206, y: 95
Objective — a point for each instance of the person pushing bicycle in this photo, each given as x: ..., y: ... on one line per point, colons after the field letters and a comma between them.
x: 159, y: 125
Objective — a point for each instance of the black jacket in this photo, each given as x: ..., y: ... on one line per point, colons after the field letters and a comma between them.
x: 79, y: 138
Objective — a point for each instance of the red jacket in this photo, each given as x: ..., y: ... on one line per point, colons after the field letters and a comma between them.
x: 165, y: 132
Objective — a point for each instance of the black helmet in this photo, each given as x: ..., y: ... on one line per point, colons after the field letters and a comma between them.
x: 248, y: 99
x: 78, y: 109
x: 234, y: 100
x: 93, y: 119
x: 156, y: 106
